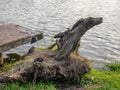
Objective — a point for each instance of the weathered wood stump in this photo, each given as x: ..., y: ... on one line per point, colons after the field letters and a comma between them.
x: 45, y: 67
x: 62, y: 64
x: 69, y: 40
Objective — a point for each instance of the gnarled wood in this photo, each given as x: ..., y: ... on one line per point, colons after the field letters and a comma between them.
x: 43, y: 66
x: 69, y: 40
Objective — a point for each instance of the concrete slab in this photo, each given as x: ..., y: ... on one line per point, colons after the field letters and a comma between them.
x: 12, y: 35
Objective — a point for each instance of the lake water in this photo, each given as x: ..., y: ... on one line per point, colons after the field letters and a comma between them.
x: 101, y: 43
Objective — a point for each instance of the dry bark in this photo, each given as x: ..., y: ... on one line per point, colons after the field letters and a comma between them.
x: 44, y: 66
x: 69, y: 40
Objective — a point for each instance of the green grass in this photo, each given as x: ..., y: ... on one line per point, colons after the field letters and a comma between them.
x: 28, y: 86
x: 114, y: 67
x: 104, y: 80
x: 6, y: 67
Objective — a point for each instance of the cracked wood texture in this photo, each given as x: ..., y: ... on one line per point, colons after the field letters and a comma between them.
x: 68, y: 41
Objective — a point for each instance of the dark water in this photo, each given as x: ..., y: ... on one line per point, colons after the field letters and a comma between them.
x: 101, y: 43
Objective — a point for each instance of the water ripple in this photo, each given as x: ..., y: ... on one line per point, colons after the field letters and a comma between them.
x: 53, y: 16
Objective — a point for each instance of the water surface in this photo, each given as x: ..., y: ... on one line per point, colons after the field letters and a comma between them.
x: 101, y: 43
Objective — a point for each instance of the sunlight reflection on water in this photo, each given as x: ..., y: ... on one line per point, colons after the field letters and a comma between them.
x: 101, y: 43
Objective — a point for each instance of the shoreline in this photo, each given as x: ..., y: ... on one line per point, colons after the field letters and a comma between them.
x: 93, y: 80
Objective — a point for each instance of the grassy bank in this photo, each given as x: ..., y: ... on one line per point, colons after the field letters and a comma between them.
x: 28, y: 86
x: 94, y: 80
x: 103, y: 80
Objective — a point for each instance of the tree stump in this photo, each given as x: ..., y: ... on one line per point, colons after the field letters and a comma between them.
x: 69, y: 40
x: 61, y: 65
x: 44, y: 66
